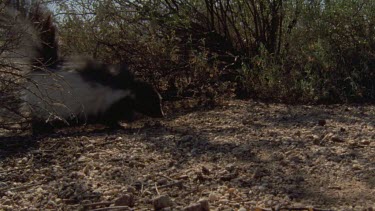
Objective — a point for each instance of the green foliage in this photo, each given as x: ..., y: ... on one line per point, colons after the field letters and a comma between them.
x: 336, y: 46
x: 327, y: 56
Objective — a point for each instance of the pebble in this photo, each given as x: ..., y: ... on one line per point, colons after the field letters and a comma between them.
x: 337, y: 139
x: 232, y: 190
x: 125, y: 200
x: 241, y: 150
x: 327, y: 137
x: 228, y: 177
x: 313, y: 137
x: 130, y: 189
x: 366, y: 142
x: 84, y: 159
x: 298, y: 133
x: 90, y: 147
x: 230, y: 167
x: 205, y: 170
x: 186, y: 138
x: 356, y: 167
x: 322, y: 122
x: 78, y: 175
x: 260, y: 188
x: 3, y: 184
x: 7, y: 202
x: 162, y: 202
x: 353, y: 143
x: 111, y: 192
x: 213, y: 197
x: 194, y: 151
x: 183, y: 177
x: 259, y: 173
x: 202, y: 205
x: 162, y: 181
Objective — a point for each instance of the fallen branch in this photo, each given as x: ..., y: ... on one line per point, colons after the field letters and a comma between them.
x: 22, y: 187
x: 104, y: 203
x: 178, y: 183
x: 11, y: 170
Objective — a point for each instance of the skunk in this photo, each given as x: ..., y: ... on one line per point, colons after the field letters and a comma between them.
x: 63, y: 92
x: 89, y: 94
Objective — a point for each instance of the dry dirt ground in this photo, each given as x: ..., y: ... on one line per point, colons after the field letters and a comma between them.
x: 239, y: 156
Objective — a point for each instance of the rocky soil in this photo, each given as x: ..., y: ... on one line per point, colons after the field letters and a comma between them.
x: 239, y: 156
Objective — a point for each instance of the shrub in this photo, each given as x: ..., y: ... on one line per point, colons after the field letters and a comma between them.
x: 290, y: 51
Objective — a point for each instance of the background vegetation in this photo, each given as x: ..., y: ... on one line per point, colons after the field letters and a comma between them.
x: 316, y: 51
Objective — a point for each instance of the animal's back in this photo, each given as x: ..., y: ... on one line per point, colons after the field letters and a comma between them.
x: 66, y: 95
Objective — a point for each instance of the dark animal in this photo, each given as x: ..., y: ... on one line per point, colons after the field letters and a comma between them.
x: 63, y: 92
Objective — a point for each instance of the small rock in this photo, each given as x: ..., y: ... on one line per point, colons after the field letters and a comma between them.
x: 213, y: 197
x: 202, y: 205
x: 231, y: 190
x: 242, y: 209
x: 194, y: 151
x: 322, y: 122
x: 230, y: 167
x: 135, y: 164
x: 6, y: 207
x: 259, y: 173
x: 111, y: 192
x: 296, y: 159
x: 229, y: 177
x: 125, y: 200
x: 260, y: 188
x: 205, y: 170
x: 186, y: 138
x: 313, y: 138
x: 162, y: 181
x: 90, y: 147
x: 317, y: 141
x: 353, y: 143
x: 83, y: 159
x: 162, y: 202
x: 3, y: 184
x: 171, y: 163
x: 366, y: 142
x: 247, y: 121
x: 138, y: 185
x: 356, y: 167
x: 183, y: 177
x: 270, y: 203
x: 223, y: 201
x: 77, y: 175
x: 298, y: 133
x: 244, y: 149
x: 7, y: 202
x: 337, y: 139
x: 130, y: 189
x: 328, y: 137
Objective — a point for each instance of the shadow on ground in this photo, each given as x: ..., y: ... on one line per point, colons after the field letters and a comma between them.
x: 272, y: 154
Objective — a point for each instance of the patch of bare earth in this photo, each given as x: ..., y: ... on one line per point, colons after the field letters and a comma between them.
x: 239, y: 156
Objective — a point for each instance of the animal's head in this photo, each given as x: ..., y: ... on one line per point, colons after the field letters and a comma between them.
x: 147, y: 100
